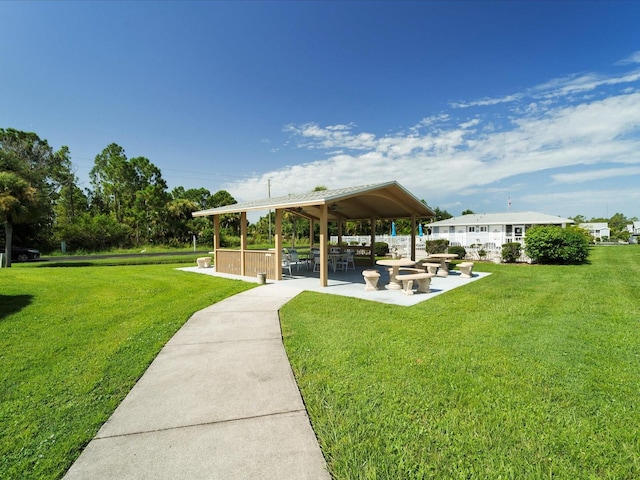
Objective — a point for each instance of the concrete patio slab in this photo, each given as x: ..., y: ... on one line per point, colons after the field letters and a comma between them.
x: 350, y: 284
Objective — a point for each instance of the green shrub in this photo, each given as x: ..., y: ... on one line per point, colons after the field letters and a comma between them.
x: 94, y: 233
x: 436, y: 246
x: 380, y: 249
x: 557, y: 245
x: 511, y: 252
x: 458, y: 250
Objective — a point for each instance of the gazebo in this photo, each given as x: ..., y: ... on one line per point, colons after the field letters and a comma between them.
x: 368, y: 202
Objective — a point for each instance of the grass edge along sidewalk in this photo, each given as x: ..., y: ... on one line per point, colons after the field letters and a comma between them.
x: 532, y: 373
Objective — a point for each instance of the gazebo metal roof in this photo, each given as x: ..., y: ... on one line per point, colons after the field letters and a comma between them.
x: 383, y: 200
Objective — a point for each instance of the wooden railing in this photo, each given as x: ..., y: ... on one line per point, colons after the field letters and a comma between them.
x: 255, y: 261
x: 228, y: 261
x: 260, y: 261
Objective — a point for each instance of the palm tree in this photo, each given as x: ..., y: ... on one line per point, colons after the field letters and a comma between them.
x: 16, y: 197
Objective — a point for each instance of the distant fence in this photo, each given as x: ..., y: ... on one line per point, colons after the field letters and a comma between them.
x: 493, y: 251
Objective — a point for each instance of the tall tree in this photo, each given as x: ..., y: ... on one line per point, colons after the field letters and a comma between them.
x: 31, y: 174
x: 133, y: 191
x: 182, y: 225
x: 440, y: 214
x: 201, y: 197
x: 110, y: 177
x: 230, y: 222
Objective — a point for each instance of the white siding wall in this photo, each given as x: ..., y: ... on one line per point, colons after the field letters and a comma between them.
x: 459, y: 235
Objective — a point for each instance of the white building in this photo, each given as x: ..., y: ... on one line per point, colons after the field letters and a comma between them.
x: 491, y: 230
x: 598, y: 230
x: 634, y: 230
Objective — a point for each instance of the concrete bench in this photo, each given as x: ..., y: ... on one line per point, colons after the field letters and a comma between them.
x: 465, y: 269
x: 411, y: 269
x: 371, y: 278
x: 204, y: 262
x: 430, y: 267
x: 424, y: 280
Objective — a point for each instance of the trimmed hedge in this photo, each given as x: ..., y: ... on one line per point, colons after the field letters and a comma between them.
x: 511, y: 252
x: 380, y: 249
x: 458, y: 250
x: 436, y: 246
x: 557, y: 245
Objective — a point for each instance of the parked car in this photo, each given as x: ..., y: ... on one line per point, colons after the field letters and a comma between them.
x: 21, y: 254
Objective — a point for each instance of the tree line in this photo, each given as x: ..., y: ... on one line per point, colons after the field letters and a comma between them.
x: 128, y: 204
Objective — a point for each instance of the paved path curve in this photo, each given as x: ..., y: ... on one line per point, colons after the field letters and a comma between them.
x: 219, y: 402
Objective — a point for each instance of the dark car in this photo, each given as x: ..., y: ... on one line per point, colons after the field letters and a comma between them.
x: 20, y: 254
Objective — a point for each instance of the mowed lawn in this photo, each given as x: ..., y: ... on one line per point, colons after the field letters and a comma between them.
x: 531, y: 373
x: 73, y: 341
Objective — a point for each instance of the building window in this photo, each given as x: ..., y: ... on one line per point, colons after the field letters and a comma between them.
x: 452, y: 229
x: 509, y: 230
x: 471, y: 229
x: 484, y: 228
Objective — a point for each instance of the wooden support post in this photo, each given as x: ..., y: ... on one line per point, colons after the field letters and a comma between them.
x: 413, y: 237
x: 243, y: 242
x: 324, y: 247
x: 278, y: 238
x: 373, y: 241
x: 216, y: 239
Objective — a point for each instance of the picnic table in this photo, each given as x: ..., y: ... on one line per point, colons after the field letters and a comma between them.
x: 395, y: 265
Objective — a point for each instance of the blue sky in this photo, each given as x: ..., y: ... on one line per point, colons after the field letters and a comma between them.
x: 466, y: 104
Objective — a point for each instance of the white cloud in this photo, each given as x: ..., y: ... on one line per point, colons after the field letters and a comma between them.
x: 584, y: 83
x: 600, y: 174
x: 633, y: 58
x: 442, y: 156
x: 469, y: 124
x: 606, y: 201
x: 488, y: 101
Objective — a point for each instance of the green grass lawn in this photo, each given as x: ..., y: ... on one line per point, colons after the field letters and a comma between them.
x: 533, y: 372
x: 73, y: 341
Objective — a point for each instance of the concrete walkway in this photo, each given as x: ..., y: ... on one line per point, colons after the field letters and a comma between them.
x: 218, y: 402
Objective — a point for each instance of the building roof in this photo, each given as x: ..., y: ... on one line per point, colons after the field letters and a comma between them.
x: 383, y: 200
x: 509, y: 218
x: 594, y: 225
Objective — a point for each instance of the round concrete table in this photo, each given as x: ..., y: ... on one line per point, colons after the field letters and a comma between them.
x: 395, y: 265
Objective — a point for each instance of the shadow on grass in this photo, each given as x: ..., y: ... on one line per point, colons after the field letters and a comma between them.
x: 67, y: 264
x: 10, y: 304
